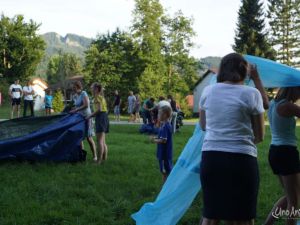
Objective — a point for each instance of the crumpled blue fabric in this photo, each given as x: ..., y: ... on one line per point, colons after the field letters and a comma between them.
x: 183, y: 184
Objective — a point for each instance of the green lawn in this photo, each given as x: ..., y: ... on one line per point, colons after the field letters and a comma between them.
x: 86, y: 194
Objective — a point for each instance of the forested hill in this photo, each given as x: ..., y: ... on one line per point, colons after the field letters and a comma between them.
x: 55, y: 43
x: 71, y: 43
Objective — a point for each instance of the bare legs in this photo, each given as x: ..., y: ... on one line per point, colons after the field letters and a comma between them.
x: 102, y: 147
x: 92, y: 147
x: 48, y: 111
x: 290, y: 201
x: 15, y: 108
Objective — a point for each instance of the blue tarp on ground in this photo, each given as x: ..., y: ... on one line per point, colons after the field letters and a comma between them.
x: 55, y: 139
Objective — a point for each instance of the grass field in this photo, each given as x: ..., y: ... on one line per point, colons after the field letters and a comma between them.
x: 86, y: 194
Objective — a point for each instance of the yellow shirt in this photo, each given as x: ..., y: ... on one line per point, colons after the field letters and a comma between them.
x: 100, y: 100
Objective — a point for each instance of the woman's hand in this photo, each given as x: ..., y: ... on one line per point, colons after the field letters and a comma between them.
x: 253, y: 72
x: 88, y: 117
x: 73, y: 111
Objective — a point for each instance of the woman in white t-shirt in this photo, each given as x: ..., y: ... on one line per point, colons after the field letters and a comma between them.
x: 232, y: 115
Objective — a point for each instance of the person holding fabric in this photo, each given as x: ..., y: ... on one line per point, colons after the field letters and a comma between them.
x: 28, y: 99
x: 15, y: 93
x: 101, y: 121
x: 283, y: 154
x: 147, y: 107
x: 82, y: 106
x: 232, y: 115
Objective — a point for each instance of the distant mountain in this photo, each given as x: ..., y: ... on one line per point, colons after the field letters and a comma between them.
x: 71, y: 43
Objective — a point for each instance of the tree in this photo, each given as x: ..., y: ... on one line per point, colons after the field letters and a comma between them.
x: 147, y: 31
x: 284, y: 19
x: 250, y: 37
x: 21, y: 48
x: 113, y: 60
x: 182, y: 69
x: 58, y: 104
x: 62, y: 66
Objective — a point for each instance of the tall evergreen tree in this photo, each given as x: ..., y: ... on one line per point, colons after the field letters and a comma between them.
x: 284, y: 19
x: 250, y: 36
x: 147, y: 31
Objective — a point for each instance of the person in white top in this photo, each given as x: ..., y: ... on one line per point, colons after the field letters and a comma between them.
x: 232, y: 115
x: 15, y: 93
x: 28, y: 99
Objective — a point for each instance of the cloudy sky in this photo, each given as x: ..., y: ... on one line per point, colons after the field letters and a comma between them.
x: 214, y: 20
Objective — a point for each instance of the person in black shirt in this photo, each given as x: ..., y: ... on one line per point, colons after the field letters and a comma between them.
x: 117, y: 104
x: 173, y: 103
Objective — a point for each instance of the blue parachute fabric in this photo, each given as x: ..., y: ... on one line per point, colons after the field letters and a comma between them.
x: 148, y: 129
x: 180, y: 189
x: 274, y: 74
x: 56, y: 142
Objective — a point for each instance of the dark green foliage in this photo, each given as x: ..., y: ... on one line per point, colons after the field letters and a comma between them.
x: 21, y: 48
x: 251, y: 37
x: 284, y: 17
x: 62, y: 66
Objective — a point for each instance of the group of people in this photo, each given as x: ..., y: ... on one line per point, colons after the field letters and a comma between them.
x: 232, y: 117
x: 16, y: 93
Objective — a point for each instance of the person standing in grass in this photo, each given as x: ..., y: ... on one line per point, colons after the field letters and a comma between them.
x: 101, y: 121
x: 137, y: 108
x: 131, y: 104
x: 28, y: 99
x: 283, y: 154
x: 229, y: 171
x: 82, y: 106
x: 117, y: 105
x: 164, y: 142
x: 48, y: 102
x: 15, y: 92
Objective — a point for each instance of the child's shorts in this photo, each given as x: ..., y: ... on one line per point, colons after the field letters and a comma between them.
x: 165, y: 166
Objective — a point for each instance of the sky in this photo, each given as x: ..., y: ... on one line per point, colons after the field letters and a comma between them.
x: 214, y: 20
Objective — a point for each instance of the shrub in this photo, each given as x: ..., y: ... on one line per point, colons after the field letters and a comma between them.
x: 58, y: 104
x: 188, y: 112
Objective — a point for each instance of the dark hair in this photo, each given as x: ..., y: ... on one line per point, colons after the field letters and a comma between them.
x: 170, y: 97
x: 77, y: 85
x: 152, y: 99
x: 233, y: 68
x: 291, y: 94
x: 161, y: 98
x: 97, y: 86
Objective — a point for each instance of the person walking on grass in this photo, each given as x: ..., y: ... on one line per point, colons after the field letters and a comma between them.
x: 15, y: 93
x: 117, y: 106
x: 164, y: 142
x: 232, y: 115
x: 283, y: 154
x: 101, y: 121
x: 131, y: 104
x: 82, y: 106
x: 28, y: 99
x: 48, y: 102
x: 137, y: 109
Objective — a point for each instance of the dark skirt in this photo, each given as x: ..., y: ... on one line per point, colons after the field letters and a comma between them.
x: 284, y: 160
x: 102, y: 123
x: 230, y: 183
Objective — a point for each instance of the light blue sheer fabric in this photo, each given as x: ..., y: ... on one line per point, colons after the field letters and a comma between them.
x: 179, y: 191
x: 183, y: 184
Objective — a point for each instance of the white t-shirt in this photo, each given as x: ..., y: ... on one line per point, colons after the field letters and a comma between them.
x: 15, y: 90
x: 228, y: 110
x: 28, y: 89
x: 164, y: 103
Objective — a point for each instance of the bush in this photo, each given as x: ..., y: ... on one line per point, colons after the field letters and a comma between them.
x: 58, y: 104
x: 4, y: 86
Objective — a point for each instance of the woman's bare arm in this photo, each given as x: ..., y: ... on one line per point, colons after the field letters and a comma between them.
x: 288, y: 109
x: 202, y: 117
x: 258, y: 127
